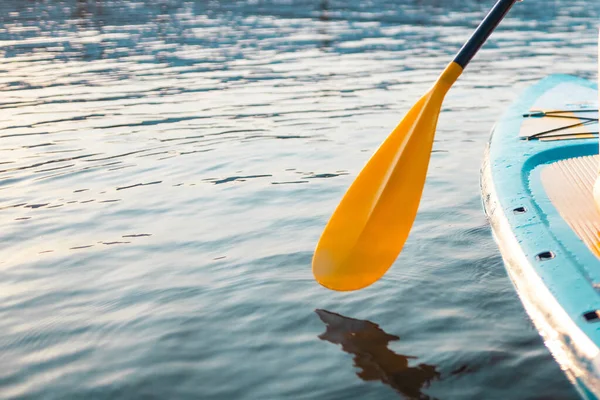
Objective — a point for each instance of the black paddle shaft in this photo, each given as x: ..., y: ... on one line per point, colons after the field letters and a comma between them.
x: 483, y: 31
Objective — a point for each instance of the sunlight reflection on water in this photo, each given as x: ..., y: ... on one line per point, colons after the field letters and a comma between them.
x: 166, y: 168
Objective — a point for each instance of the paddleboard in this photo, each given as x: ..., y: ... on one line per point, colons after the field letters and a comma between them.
x: 537, y: 180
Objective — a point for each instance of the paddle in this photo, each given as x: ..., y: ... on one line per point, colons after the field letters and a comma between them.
x: 370, y: 225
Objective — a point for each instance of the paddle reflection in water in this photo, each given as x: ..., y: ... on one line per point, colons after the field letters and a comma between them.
x: 369, y: 344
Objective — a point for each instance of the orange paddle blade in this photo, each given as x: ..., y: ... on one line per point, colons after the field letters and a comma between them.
x: 370, y: 225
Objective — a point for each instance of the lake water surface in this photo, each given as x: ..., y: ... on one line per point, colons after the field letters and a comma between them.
x: 167, y: 167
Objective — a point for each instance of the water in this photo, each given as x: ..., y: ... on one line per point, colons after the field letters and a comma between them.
x: 166, y: 168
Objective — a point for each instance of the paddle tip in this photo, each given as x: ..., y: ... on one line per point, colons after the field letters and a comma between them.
x: 339, y: 276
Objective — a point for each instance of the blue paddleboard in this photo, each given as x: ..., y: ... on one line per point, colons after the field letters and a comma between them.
x: 537, y: 181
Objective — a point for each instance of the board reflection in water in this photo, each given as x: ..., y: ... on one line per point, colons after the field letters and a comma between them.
x: 369, y: 345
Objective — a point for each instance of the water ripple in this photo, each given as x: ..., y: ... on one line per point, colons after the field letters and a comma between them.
x: 167, y: 166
